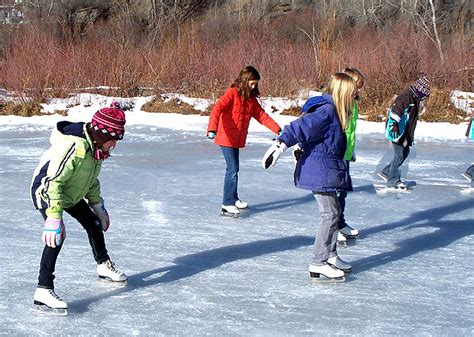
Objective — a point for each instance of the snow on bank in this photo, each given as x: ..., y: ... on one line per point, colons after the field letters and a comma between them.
x: 81, y: 107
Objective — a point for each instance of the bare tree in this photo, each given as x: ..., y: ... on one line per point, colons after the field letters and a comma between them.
x: 427, y: 16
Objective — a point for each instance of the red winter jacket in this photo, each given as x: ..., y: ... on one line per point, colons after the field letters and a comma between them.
x: 230, y: 119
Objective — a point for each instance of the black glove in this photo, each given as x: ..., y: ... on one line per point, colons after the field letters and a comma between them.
x: 297, y: 153
x: 394, y: 131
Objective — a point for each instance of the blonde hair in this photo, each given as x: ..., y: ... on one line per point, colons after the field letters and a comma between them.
x: 355, y: 74
x: 342, y: 88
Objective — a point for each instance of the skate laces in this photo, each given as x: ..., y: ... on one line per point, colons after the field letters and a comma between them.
x: 52, y: 293
x: 111, y: 266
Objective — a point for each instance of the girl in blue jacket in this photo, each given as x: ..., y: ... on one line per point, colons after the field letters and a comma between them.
x: 321, y: 167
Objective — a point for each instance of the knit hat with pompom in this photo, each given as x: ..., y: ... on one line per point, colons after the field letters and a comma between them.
x: 108, y: 124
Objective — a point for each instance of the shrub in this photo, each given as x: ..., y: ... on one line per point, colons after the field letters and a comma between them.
x: 440, y: 108
x: 173, y: 105
x: 203, y: 58
x: 292, y: 111
x: 27, y: 109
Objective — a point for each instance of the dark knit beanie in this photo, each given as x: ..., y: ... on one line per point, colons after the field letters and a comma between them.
x: 422, y: 87
x: 108, y: 124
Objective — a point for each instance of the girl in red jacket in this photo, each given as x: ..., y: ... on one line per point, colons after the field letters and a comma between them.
x: 228, y: 126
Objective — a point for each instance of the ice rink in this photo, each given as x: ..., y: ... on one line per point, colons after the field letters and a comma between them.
x: 194, y: 272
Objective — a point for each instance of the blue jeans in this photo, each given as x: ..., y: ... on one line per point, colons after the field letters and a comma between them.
x: 231, y: 156
x: 392, y: 170
x: 326, y: 236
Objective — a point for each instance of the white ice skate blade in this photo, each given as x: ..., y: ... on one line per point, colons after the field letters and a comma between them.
x: 230, y: 215
x: 350, y: 237
x: 322, y: 280
x: 384, y: 190
x: 43, y: 309
x: 381, y: 176
x: 468, y: 178
x: 108, y: 281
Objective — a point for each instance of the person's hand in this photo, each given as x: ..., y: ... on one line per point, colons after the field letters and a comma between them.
x: 273, y: 153
x: 54, y: 232
x: 102, y: 214
x: 297, y: 153
x: 394, y: 131
x: 211, y: 135
x: 354, y: 157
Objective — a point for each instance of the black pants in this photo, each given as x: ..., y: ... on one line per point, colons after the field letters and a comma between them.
x: 91, y: 223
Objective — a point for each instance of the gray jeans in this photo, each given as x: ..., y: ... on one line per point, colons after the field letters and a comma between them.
x: 326, y: 236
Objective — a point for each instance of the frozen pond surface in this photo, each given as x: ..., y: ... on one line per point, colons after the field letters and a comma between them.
x: 193, y: 272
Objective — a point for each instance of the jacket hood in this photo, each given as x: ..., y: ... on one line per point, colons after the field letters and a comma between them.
x: 315, y: 102
x: 65, y: 128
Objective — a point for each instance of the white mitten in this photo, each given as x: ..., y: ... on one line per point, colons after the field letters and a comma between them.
x: 273, y: 153
x: 102, y: 214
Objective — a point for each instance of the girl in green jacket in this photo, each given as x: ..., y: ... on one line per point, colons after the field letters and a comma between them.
x: 346, y: 231
x: 66, y: 181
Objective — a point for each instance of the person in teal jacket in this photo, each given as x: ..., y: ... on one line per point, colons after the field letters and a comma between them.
x: 66, y: 181
x: 346, y: 231
x: 469, y: 173
x: 400, y: 129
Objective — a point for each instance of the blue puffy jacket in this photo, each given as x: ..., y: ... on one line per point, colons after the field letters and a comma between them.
x: 322, y: 167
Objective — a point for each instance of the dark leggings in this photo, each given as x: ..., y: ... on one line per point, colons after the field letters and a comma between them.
x: 91, y: 223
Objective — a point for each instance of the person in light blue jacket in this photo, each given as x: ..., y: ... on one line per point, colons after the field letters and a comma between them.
x: 321, y: 167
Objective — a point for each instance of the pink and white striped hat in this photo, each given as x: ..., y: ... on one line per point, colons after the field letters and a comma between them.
x: 108, y: 123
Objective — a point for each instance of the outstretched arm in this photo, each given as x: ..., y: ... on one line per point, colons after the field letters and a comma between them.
x: 263, y: 118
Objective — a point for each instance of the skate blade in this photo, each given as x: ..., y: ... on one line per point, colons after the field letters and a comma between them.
x: 230, y: 215
x: 384, y: 190
x: 322, y: 280
x: 351, y: 241
x: 313, y: 279
x: 467, y: 177
x: 43, y: 309
x: 382, y: 177
x: 108, y: 281
x: 351, y: 237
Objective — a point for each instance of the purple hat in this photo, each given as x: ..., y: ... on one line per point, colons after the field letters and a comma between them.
x: 422, y: 87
